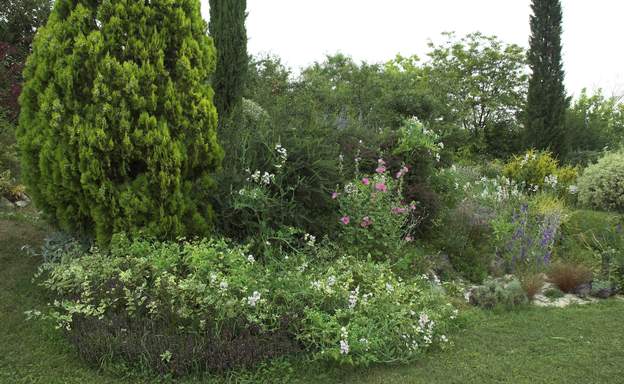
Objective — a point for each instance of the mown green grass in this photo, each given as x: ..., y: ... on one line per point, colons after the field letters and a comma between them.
x: 573, y: 345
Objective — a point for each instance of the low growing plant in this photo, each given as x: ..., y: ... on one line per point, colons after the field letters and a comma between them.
x: 183, y: 306
x: 554, y: 293
x: 498, y: 293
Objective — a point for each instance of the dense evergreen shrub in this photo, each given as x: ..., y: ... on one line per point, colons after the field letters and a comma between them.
x: 117, y: 130
x: 602, y: 184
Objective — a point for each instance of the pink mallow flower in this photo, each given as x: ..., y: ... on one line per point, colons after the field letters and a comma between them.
x: 402, y: 172
x: 399, y: 210
x: 366, y: 181
x: 366, y: 222
x: 409, y: 238
x: 381, y: 187
x: 345, y: 220
x: 381, y: 169
x: 335, y: 195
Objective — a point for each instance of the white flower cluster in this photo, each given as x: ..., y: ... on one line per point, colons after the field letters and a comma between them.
x: 425, y: 327
x: 501, y: 189
x: 258, y: 177
x: 527, y: 158
x: 331, y: 280
x: 282, y: 156
x: 344, y: 344
x: 551, y: 181
x: 252, y: 193
x: 353, y: 297
x: 253, y: 299
x: 326, y: 285
x: 309, y: 239
x: 350, y: 188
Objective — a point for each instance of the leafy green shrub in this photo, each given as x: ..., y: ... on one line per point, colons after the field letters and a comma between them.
x: 374, y: 218
x: 498, y: 293
x: 178, y: 307
x: 8, y: 154
x: 602, y: 184
x: 539, y: 170
x: 613, y: 271
x: 587, y: 235
x: 465, y: 234
x: 421, y: 150
x: 305, y: 169
x: 117, y: 126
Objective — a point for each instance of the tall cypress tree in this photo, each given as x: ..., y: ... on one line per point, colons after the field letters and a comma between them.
x: 117, y: 126
x: 547, y: 101
x: 227, y: 28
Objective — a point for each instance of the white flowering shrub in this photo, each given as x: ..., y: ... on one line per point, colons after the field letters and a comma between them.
x: 208, y: 304
x: 375, y: 316
x: 602, y: 184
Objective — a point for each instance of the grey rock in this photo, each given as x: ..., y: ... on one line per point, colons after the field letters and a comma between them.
x: 603, y: 293
x: 22, y: 203
x: 5, y: 203
x: 583, y: 290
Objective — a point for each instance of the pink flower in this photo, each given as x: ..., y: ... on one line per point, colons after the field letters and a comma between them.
x: 381, y: 187
x: 366, y: 181
x: 345, y: 220
x: 399, y: 210
x: 409, y: 238
x: 335, y: 195
x: 366, y: 222
x: 402, y: 172
x: 380, y: 169
x: 381, y: 162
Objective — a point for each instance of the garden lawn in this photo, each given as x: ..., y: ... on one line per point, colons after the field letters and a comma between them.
x: 574, y: 345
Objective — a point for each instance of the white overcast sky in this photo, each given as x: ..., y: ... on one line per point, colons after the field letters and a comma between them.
x: 304, y: 31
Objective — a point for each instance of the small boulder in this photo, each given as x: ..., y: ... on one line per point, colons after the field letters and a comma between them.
x: 603, y: 293
x: 5, y: 203
x: 583, y: 290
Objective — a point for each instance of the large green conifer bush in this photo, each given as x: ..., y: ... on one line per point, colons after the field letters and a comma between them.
x: 118, y: 128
